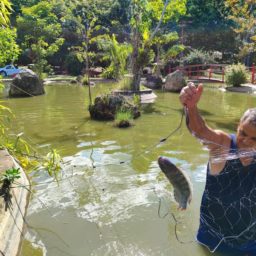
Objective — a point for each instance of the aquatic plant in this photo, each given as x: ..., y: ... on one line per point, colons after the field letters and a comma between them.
x: 123, y: 118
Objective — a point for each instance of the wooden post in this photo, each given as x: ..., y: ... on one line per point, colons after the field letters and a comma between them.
x: 253, y: 73
x: 210, y: 73
x: 223, y: 73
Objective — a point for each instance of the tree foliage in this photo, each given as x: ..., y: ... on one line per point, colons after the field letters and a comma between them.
x: 209, y: 13
x: 117, y: 54
x: 40, y: 31
x: 147, y: 16
x: 243, y: 14
x: 5, y: 11
x: 9, y: 50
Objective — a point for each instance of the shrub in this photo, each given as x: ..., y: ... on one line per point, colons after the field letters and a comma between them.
x: 109, y: 72
x: 73, y: 65
x: 235, y: 74
x: 198, y: 57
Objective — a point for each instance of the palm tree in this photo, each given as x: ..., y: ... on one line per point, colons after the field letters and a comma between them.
x: 5, y: 10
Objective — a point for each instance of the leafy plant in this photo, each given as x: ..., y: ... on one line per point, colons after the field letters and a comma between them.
x: 52, y: 163
x: 117, y: 54
x: 109, y: 72
x: 136, y: 100
x: 7, y: 180
x: 123, y: 118
x: 11, y: 175
x: 236, y: 74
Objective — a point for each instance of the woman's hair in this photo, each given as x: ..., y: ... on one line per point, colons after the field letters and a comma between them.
x: 249, y: 116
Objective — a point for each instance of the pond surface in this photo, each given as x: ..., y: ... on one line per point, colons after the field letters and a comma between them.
x: 104, y: 207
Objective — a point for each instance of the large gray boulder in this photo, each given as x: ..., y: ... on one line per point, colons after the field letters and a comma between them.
x: 175, y: 81
x: 26, y: 84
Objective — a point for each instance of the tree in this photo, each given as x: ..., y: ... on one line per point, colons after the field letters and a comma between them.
x: 243, y: 14
x: 146, y: 19
x: 39, y: 28
x: 160, y: 41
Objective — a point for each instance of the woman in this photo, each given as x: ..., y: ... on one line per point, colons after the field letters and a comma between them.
x: 228, y: 208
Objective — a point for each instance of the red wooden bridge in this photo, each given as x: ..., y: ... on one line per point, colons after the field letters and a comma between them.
x: 210, y: 72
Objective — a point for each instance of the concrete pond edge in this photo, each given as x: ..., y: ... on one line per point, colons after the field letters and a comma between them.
x: 12, y: 220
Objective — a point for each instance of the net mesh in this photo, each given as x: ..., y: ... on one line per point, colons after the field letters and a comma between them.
x: 228, y: 209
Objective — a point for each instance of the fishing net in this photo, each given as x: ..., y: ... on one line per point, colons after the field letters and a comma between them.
x: 228, y: 209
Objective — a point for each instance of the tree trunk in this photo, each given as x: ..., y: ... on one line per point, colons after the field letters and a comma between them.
x: 87, y: 68
x: 136, y: 69
x: 158, y: 71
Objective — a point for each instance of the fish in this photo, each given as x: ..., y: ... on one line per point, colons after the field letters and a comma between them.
x: 180, y: 181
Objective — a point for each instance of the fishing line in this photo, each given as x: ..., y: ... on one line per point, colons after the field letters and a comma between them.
x: 42, y: 203
x: 175, y: 221
x: 176, y: 232
x: 149, y: 149
x: 103, y: 205
x: 89, y: 215
x: 25, y: 221
x: 159, y: 209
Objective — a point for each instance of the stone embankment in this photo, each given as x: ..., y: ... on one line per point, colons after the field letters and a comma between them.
x: 12, y: 218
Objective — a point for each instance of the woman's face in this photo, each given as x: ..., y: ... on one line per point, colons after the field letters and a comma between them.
x: 246, y: 135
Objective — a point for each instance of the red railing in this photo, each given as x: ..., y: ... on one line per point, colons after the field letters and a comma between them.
x: 209, y: 72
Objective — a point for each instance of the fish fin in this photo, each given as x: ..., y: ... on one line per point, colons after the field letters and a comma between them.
x: 179, y: 198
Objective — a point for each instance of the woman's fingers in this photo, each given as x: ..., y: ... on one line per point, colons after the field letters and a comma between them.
x: 191, y: 94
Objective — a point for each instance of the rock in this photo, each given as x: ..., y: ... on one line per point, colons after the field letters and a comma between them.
x: 175, y: 81
x: 106, y: 106
x: 124, y: 124
x: 79, y: 79
x: 26, y: 84
x: 153, y: 82
x: 94, y: 72
x: 92, y: 83
x: 147, y: 71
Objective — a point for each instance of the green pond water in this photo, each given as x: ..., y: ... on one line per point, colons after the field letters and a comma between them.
x: 102, y: 207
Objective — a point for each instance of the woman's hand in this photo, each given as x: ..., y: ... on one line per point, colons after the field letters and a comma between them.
x: 190, y: 95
